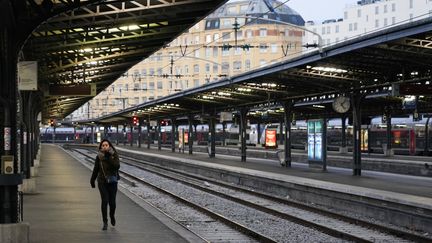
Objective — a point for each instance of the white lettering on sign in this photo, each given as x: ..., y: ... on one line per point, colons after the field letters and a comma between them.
x: 7, y: 138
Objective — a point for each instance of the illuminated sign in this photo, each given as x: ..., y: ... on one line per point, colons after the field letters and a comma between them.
x: 270, y: 139
x: 315, y: 140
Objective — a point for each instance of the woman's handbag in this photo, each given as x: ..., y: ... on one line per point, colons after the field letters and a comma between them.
x: 111, y: 179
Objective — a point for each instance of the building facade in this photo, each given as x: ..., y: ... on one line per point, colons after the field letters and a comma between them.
x: 368, y: 16
x: 207, y: 52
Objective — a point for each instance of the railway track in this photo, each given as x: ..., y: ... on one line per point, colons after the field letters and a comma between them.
x: 339, y: 226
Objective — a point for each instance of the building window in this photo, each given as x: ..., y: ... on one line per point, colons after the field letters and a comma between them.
x: 249, y: 33
x: 243, y: 8
x: 196, y: 68
x: 225, y: 52
x: 226, y: 35
x: 376, y: 23
x: 159, y: 71
x: 227, y: 23
x: 136, y: 86
x: 237, y: 66
x: 376, y: 10
x: 239, y: 34
x: 136, y: 100
x: 196, y: 82
x: 336, y: 28
x: 358, y: 13
x: 263, y: 32
x: 393, y: 20
x: 208, y: 38
x: 345, y: 15
x: 247, y: 64
x: 328, y: 29
x: 159, y: 85
x: 215, y: 68
x: 215, y: 51
x: 207, y: 68
x: 197, y: 41
x: 262, y: 48
x: 216, y: 37
x: 197, y: 53
x: 208, y: 51
x: 151, y: 85
x: 232, y: 10
x: 385, y: 22
x: 186, y: 68
x: 144, y: 72
x: 151, y: 71
x: 355, y: 26
x: 323, y: 31
x: 225, y: 67
x: 274, y: 48
x: 237, y: 50
x: 393, y: 7
x: 385, y: 8
x: 411, y: 3
x: 126, y: 87
x: 350, y: 28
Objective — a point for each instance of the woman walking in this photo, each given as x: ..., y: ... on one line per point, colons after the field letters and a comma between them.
x: 105, y: 170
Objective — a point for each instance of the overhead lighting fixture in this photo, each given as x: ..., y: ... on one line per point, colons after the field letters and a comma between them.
x: 330, y: 69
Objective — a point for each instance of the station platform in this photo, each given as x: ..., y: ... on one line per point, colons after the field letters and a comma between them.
x: 337, y: 178
x: 66, y: 209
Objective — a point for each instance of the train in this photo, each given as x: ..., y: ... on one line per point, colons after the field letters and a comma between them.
x: 408, y: 137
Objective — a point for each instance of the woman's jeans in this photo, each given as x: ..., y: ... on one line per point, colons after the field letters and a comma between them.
x: 108, y: 192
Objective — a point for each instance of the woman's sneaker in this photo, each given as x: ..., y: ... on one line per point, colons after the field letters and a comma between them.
x: 105, y: 226
x: 113, y: 221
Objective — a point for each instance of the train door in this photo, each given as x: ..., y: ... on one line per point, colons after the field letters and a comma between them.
x: 364, y: 139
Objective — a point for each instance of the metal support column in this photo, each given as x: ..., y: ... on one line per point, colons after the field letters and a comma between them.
x: 281, y: 137
x: 190, y: 133
x: 8, y: 99
x: 389, y: 133
x: 148, y: 134
x: 212, y: 129
x: 223, y: 133
x: 117, y: 135
x: 242, y: 132
x: 131, y: 134
x: 159, y: 135
x: 258, y: 133
x: 139, y: 134
x: 173, y: 134
x: 426, y: 144
x: 287, y: 138
x: 356, y: 100
x: 343, y: 137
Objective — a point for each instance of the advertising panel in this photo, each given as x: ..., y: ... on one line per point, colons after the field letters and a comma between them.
x: 270, y: 138
x: 27, y: 75
x: 315, y: 140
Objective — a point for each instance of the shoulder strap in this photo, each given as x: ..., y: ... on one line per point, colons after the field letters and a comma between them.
x: 101, y: 164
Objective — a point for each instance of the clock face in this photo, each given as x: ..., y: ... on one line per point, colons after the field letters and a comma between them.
x: 341, y: 104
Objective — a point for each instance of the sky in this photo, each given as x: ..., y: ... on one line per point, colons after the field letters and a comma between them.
x: 319, y: 10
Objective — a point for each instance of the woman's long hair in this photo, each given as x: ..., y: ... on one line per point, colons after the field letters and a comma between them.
x: 110, y: 144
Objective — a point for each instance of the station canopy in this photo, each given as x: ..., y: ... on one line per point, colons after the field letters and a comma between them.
x: 383, y: 68
x: 81, y: 47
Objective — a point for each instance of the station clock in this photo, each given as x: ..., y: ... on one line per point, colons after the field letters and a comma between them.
x: 341, y: 104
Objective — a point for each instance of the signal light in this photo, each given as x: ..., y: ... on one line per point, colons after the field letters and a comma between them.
x: 135, y: 121
x: 51, y: 123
